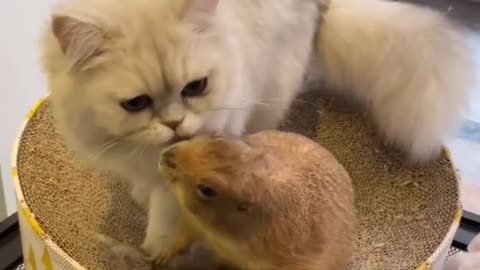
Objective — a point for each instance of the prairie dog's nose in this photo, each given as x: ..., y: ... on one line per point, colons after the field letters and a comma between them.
x: 168, y: 158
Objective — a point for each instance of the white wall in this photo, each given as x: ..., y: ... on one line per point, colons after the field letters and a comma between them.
x: 21, y: 81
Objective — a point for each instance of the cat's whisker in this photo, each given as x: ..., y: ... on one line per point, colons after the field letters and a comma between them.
x: 268, y: 103
x: 109, y: 145
x: 259, y: 102
x: 103, y: 148
x: 235, y: 108
x: 271, y: 102
x: 222, y: 109
x: 140, y: 150
x: 299, y: 100
x: 134, y: 152
x: 143, y: 150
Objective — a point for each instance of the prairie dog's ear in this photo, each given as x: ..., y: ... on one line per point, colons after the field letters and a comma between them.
x: 82, y: 42
x: 262, y: 158
x: 201, y: 14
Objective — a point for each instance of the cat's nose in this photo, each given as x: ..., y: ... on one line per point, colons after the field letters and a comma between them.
x: 172, y: 115
x: 173, y: 124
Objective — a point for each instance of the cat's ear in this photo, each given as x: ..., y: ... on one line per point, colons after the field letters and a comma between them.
x: 83, y: 43
x: 201, y: 14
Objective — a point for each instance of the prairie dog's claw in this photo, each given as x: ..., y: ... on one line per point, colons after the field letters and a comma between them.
x: 165, y: 258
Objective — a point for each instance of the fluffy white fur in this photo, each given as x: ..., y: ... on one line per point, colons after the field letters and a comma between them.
x: 409, y: 65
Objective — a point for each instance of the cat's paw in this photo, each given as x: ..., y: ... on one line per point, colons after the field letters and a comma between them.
x: 157, y: 239
x: 153, y: 248
x: 121, y: 255
x: 141, y: 195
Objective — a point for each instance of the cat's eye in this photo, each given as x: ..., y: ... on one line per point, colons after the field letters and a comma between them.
x: 137, y: 104
x: 205, y: 192
x: 195, y: 88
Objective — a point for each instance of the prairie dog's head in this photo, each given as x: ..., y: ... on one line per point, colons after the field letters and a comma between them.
x: 263, y: 197
x: 217, y: 180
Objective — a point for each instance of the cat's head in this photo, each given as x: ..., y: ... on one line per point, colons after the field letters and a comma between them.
x: 141, y: 72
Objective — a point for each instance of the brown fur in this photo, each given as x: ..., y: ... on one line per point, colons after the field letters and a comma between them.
x: 283, y: 202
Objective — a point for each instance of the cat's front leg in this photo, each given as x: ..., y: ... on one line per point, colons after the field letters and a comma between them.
x: 163, y: 216
x: 141, y: 194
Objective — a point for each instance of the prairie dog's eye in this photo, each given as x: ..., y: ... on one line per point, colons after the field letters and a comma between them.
x: 244, y: 207
x: 137, y: 104
x: 195, y: 88
x: 206, y: 192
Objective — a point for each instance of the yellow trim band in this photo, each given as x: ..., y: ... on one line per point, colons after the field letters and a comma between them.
x: 425, y: 266
x: 34, y: 110
x: 458, y: 215
x: 34, y: 223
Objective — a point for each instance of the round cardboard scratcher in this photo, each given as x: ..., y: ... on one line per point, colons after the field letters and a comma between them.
x: 408, y: 214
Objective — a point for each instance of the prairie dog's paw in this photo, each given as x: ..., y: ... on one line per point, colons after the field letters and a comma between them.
x: 165, y: 259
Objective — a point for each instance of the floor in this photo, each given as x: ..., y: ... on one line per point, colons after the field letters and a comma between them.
x: 465, y: 148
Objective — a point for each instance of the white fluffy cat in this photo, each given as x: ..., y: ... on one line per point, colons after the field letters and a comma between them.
x: 128, y: 77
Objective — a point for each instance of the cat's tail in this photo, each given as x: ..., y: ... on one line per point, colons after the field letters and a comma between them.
x: 411, y: 66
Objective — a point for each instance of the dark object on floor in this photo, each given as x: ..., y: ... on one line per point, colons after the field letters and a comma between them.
x: 10, y: 243
x: 469, y: 228
x: 465, y: 11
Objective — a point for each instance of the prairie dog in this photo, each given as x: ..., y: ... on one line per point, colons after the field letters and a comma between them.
x: 268, y: 201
